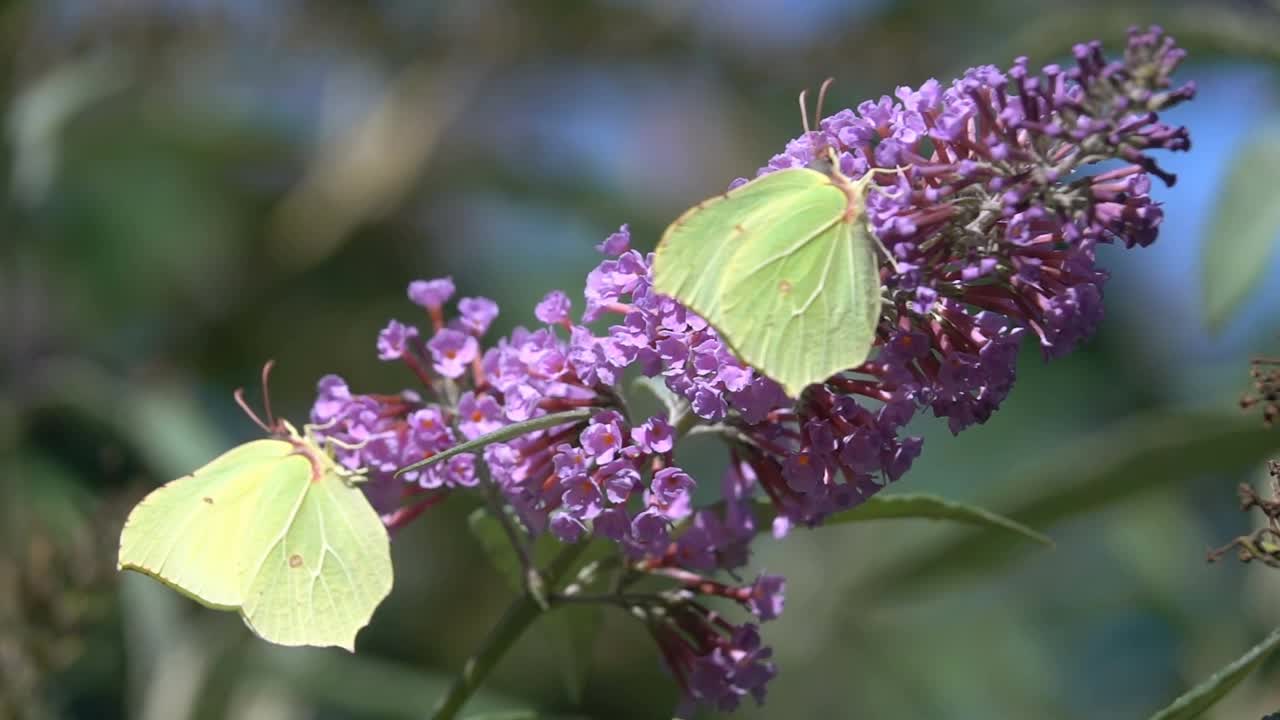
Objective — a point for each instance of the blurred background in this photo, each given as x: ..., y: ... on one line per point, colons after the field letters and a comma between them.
x: 195, y: 186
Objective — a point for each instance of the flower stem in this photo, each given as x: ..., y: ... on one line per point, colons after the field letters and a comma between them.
x: 519, y: 616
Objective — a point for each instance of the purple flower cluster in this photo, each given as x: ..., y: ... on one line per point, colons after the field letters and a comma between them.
x: 984, y: 199
x: 992, y: 221
x: 665, y: 339
x: 605, y: 475
x: 824, y: 454
x: 715, y: 663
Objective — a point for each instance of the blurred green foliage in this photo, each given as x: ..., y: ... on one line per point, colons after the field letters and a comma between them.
x: 196, y: 186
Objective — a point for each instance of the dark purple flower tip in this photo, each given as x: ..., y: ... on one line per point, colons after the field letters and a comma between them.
x: 697, y: 546
x: 520, y: 402
x: 477, y: 314
x: 617, y: 243
x: 431, y: 294
x: 332, y: 399
x: 766, y: 597
x: 460, y: 471
x: 570, y: 461
x: 612, y: 523
x: 611, y: 280
x: 649, y: 528
x: 554, y: 308
x: 453, y: 351
x: 428, y: 427
x: 708, y: 402
x: 803, y: 471
x: 567, y: 528
x: 736, y: 667
x: 655, y: 436
x: 671, y: 485
x: 582, y: 497
x: 393, y: 341
x: 620, y: 481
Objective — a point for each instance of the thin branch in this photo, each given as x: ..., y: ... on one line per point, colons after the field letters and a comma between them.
x: 515, y: 621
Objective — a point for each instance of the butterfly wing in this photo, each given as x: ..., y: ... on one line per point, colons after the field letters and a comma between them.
x: 317, y: 559
x: 691, y: 261
x: 786, y: 276
x: 187, y: 532
x: 803, y: 303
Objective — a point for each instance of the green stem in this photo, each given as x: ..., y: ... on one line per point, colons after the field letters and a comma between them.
x: 503, y: 434
x: 519, y: 617
x: 525, y: 608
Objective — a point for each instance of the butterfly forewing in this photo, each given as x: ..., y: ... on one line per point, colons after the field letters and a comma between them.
x: 187, y: 532
x: 784, y: 269
x: 804, y: 306
x: 691, y: 260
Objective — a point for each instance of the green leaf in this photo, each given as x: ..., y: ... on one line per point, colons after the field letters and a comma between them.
x: 574, y: 629
x: 503, y: 434
x: 41, y: 114
x: 1245, y: 226
x: 1201, y: 697
x: 932, y: 507
x: 1132, y: 456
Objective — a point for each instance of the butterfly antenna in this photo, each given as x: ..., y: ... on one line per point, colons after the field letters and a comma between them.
x: 239, y: 396
x: 804, y: 110
x: 266, y: 392
x: 822, y: 96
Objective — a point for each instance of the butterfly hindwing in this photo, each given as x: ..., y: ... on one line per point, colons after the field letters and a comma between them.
x: 319, y: 566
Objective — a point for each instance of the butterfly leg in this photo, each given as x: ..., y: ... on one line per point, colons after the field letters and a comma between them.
x: 900, y: 171
x: 893, y: 262
x: 331, y: 446
x: 330, y: 443
x: 313, y: 427
x: 353, y: 478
